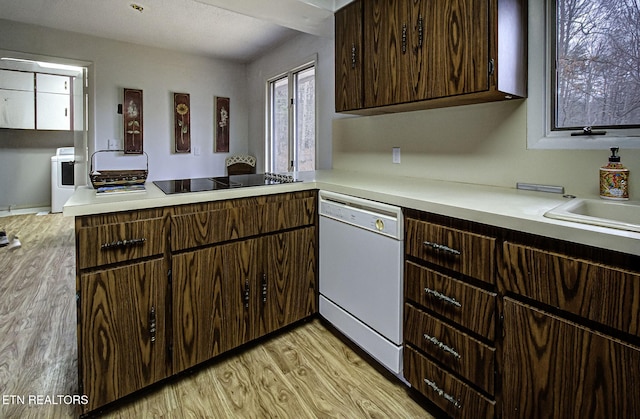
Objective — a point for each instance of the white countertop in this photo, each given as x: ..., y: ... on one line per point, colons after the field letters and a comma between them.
x: 502, y: 207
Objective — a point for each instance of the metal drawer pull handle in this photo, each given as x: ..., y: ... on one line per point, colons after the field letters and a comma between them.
x: 122, y: 243
x: 442, y: 346
x: 246, y: 293
x: 353, y: 55
x: 443, y: 297
x: 442, y: 247
x: 441, y: 393
x: 152, y: 324
x: 404, y: 38
x: 264, y: 288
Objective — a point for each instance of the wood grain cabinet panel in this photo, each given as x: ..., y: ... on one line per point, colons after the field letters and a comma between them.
x: 557, y: 368
x: 471, y: 307
x: 461, y: 353
x: 349, y: 66
x: 604, y: 294
x: 421, y: 54
x: 467, y: 253
x: 198, y: 303
x: 453, y: 396
x: 122, y: 330
x: 104, y: 240
x: 230, y: 294
x: 216, y: 222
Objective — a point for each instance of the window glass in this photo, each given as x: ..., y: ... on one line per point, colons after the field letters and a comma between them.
x: 291, y: 145
x: 597, y: 56
x: 305, y: 105
x: 280, y: 123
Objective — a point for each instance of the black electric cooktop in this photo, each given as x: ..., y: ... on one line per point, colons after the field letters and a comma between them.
x: 223, y: 182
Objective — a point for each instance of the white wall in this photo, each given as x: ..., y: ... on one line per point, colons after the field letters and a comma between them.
x: 480, y: 144
x: 279, y: 60
x: 158, y: 73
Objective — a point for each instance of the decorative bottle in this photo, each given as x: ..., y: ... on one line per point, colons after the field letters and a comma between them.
x: 614, y: 178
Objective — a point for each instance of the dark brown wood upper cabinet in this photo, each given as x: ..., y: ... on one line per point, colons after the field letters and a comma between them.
x: 348, y: 50
x: 421, y: 54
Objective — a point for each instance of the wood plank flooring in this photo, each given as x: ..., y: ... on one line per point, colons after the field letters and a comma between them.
x: 306, y: 372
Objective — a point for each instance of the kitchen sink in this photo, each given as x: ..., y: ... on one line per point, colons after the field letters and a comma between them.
x: 622, y: 215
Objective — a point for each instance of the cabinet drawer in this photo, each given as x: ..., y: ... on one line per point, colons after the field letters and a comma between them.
x: 468, y: 253
x: 453, y: 396
x: 216, y: 222
x: 117, y: 242
x: 460, y: 352
x: 601, y: 293
x: 469, y: 306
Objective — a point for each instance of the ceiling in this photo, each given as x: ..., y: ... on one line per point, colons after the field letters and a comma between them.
x: 236, y: 30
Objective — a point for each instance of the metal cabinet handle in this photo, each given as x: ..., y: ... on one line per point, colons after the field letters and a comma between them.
x: 152, y: 325
x: 246, y: 293
x: 442, y: 394
x: 122, y: 243
x: 420, y: 30
x: 353, y: 55
x: 442, y: 248
x: 404, y: 38
x: 264, y: 288
x: 442, y: 297
x: 442, y: 346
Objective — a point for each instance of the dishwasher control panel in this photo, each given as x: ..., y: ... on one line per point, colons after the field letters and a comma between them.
x: 381, y: 218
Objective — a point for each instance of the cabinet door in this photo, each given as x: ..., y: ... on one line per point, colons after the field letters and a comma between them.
x: 458, y: 45
x: 288, y: 284
x: 16, y: 80
x: 198, y: 305
x: 53, y: 111
x: 382, y: 52
x: 53, y: 102
x: 349, y: 65
x: 241, y: 290
x: 556, y: 368
x: 50, y: 83
x: 122, y: 330
x: 16, y: 109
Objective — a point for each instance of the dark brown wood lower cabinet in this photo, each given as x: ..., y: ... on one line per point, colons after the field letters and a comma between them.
x: 123, y: 331
x: 554, y: 368
x: 230, y: 294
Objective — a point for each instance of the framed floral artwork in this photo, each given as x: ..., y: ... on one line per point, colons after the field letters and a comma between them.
x: 132, y: 117
x: 182, y: 122
x: 221, y: 121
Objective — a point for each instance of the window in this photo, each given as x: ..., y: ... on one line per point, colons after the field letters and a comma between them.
x: 291, y: 115
x: 584, y: 71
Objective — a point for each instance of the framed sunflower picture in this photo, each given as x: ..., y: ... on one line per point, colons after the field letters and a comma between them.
x: 182, y: 118
x: 221, y: 121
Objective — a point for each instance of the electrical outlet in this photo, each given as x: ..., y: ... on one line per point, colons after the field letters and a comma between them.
x: 196, y: 150
x: 396, y: 155
x: 113, y: 144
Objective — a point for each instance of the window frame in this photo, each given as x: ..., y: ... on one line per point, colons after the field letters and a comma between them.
x: 292, y: 132
x: 539, y: 102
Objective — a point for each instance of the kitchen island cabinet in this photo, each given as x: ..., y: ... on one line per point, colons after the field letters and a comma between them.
x: 122, y: 287
x: 161, y: 290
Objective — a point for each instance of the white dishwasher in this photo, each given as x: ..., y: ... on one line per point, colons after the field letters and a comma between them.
x: 361, y: 266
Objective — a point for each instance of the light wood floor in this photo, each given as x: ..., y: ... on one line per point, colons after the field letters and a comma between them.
x: 306, y: 372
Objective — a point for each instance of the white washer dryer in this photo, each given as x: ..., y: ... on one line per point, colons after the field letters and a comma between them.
x: 62, y: 177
